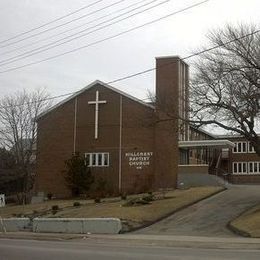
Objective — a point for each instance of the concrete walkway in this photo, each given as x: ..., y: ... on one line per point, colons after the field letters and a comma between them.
x: 210, y: 216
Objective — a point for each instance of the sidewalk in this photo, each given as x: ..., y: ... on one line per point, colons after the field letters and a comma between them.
x: 144, y: 240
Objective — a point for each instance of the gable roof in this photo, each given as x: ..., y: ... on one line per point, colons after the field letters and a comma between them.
x: 94, y: 83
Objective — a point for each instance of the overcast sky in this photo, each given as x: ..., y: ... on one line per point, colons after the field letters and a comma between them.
x: 179, y: 35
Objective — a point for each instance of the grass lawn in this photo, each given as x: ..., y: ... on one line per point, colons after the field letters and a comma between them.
x: 135, y: 216
x: 249, y: 222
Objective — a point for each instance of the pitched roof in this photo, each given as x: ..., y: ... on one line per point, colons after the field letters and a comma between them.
x: 90, y: 86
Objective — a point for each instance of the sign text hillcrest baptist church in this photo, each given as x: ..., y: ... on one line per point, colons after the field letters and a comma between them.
x: 138, y: 159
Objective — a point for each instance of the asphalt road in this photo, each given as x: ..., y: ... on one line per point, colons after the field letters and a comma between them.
x: 11, y: 249
x: 210, y: 216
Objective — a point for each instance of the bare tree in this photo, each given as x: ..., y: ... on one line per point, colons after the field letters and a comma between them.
x: 18, y: 130
x: 225, y: 90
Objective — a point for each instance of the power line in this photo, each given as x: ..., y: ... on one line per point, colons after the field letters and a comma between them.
x: 152, y: 69
x: 108, y: 38
x: 61, y: 25
x: 53, y: 45
x: 54, y: 97
x: 185, y: 58
x: 72, y: 29
x: 50, y: 22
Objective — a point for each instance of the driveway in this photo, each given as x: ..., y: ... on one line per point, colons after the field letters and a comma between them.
x: 210, y: 216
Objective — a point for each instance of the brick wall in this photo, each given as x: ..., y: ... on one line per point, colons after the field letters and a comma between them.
x: 142, y: 141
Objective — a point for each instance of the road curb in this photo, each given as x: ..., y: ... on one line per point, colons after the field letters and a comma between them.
x: 236, y: 230
x: 147, y: 240
x: 41, y: 236
x: 179, y: 241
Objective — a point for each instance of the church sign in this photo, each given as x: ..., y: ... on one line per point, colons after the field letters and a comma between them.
x: 138, y: 159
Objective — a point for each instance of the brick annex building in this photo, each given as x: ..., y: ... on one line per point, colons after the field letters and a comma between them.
x: 241, y: 163
x: 228, y: 156
x: 129, y: 143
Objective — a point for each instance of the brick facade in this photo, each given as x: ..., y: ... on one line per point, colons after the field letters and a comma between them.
x: 142, y: 148
x: 245, y: 157
x: 240, y: 165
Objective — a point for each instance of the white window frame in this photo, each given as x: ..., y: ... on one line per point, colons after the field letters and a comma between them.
x: 257, y: 164
x: 235, y: 149
x: 252, y: 150
x: 237, y: 164
x: 94, y: 159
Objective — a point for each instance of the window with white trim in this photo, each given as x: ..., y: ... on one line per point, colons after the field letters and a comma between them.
x: 239, y: 167
x: 240, y: 147
x: 251, y: 149
x: 97, y: 159
x: 254, y: 167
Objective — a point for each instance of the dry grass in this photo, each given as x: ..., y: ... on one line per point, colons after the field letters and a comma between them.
x: 13, y: 210
x: 249, y: 222
x: 137, y: 215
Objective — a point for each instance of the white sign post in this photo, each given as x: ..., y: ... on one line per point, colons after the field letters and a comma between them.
x: 2, y: 204
x: 2, y: 200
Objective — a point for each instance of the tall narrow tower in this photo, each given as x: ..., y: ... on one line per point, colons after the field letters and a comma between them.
x: 171, y: 110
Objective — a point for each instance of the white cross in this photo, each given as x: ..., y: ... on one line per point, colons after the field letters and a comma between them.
x: 96, y: 103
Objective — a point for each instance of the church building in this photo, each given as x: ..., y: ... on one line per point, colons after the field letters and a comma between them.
x: 130, y: 144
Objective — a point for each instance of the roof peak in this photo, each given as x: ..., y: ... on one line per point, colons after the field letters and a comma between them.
x: 92, y: 84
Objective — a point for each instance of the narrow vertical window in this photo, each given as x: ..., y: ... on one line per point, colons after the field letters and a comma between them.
x: 234, y: 167
x: 244, y: 145
x: 239, y: 147
x: 255, y: 167
x: 94, y: 160
x: 251, y: 149
x: 235, y: 148
x: 87, y: 159
x: 250, y: 167
x: 240, y: 167
x: 100, y: 159
x: 244, y: 167
x: 106, y: 159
